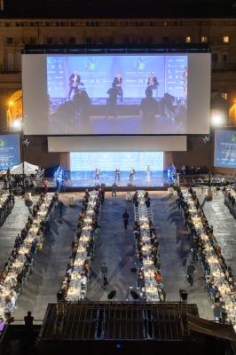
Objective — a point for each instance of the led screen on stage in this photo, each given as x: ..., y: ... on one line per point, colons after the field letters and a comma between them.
x: 225, y: 148
x: 9, y: 151
x: 110, y: 161
x: 116, y: 94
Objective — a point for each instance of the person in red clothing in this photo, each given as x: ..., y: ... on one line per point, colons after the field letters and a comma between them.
x: 45, y: 186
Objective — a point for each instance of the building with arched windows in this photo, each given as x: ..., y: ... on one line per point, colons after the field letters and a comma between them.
x: 170, y: 26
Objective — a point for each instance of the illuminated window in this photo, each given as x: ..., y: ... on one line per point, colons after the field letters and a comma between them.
x: 226, y: 39
x: 188, y: 39
x: 203, y: 39
x: 224, y: 95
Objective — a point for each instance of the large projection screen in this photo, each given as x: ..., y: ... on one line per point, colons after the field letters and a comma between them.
x: 225, y: 148
x: 175, y: 101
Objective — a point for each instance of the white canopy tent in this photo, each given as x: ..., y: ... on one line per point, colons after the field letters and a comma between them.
x: 27, y: 167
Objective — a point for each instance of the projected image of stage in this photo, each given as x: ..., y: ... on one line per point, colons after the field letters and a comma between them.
x: 124, y: 94
x: 124, y: 88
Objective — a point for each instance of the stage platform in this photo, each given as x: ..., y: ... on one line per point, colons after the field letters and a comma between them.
x: 157, y: 181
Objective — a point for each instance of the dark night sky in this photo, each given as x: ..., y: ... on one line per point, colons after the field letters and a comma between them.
x: 118, y: 8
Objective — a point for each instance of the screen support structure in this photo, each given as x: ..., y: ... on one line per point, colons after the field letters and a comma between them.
x: 25, y: 144
x: 208, y: 140
x: 209, y: 191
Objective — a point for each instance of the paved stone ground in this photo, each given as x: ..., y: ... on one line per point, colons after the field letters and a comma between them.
x: 115, y: 246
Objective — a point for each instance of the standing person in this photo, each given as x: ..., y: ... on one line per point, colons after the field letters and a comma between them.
x: 148, y: 172
x: 29, y: 319
x: 97, y: 174
x: 104, y: 271
x: 125, y: 219
x: 152, y: 82
x: 61, y: 207
x: 190, y: 271
x: 45, y: 186
x: 58, y: 183
x: 113, y: 190
x: 117, y: 174
x: 63, y: 186
x: 74, y: 82
x: 117, y: 83
x: 132, y: 173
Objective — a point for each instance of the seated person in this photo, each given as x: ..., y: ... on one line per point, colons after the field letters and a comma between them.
x: 140, y: 281
x: 183, y: 295
x: 60, y: 296
x: 84, y: 279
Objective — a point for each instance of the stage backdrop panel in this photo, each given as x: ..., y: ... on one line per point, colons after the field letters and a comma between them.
x: 117, y: 144
x: 110, y: 161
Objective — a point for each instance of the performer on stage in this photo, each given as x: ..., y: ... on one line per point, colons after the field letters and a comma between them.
x: 74, y: 82
x: 152, y: 82
x: 148, y: 172
x: 117, y: 174
x: 132, y: 173
x: 117, y: 83
x: 97, y: 174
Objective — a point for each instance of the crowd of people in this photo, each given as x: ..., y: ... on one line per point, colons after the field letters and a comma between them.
x: 220, y: 282
x: 78, y: 271
x: 20, y: 262
x: 148, y: 262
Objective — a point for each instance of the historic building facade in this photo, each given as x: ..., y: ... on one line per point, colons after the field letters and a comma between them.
x: 218, y: 34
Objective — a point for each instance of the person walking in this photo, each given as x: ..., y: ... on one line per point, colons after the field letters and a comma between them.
x: 190, y: 271
x: 125, y: 219
x: 113, y: 190
x: 104, y: 271
x: 61, y: 208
